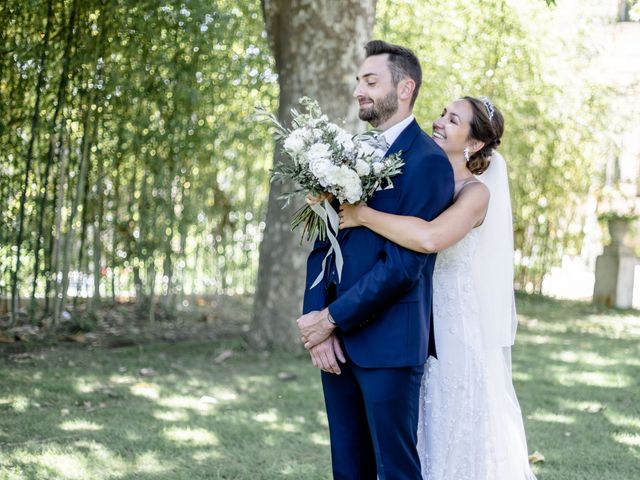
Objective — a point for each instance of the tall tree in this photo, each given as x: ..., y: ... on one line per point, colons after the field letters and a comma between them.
x: 317, y: 47
x: 28, y: 167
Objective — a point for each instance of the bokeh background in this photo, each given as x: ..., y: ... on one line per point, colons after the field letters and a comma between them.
x: 136, y: 206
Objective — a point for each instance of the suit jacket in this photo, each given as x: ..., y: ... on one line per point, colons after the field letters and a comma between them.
x: 382, y: 305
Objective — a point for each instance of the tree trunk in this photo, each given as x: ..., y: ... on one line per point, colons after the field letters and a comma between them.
x: 97, y: 231
x: 27, y: 172
x: 53, y: 146
x: 78, y: 199
x: 317, y: 48
x: 55, y: 243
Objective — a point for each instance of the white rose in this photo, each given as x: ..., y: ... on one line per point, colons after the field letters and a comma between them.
x: 362, y: 168
x: 318, y: 151
x: 294, y: 144
x: 333, y: 128
x: 349, y: 183
x: 344, y: 139
x: 353, y: 192
x: 377, y: 167
x: 323, y: 170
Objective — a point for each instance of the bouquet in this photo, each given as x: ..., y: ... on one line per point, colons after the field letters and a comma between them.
x: 322, y: 158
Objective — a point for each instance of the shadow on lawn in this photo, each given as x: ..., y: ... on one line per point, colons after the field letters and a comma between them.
x: 192, y: 419
x: 576, y: 370
x: 101, y: 415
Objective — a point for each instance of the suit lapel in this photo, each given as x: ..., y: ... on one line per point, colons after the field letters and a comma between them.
x: 405, y: 139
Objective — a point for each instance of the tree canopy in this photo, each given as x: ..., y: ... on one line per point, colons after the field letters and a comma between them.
x: 131, y: 164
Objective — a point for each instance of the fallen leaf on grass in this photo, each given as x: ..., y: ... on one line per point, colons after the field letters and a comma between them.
x: 111, y: 393
x: 594, y: 408
x: 536, y: 457
x: 77, y: 338
x: 223, y: 356
x: 25, y: 357
x: 6, y: 339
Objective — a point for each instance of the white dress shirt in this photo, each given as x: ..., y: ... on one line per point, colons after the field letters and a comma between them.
x: 392, y: 133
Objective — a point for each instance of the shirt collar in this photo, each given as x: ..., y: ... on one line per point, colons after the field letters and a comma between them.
x: 392, y: 133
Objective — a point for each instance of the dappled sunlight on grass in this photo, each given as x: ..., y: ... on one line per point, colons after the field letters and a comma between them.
x: 147, y: 390
x: 74, y: 425
x: 171, y: 415
x: 521, y: 376
x: 627, y: 439
x: 535, y: 339
x: 222, y: 394
x: 321, y: 418
x: 243, y: 420
x: 84, y: 385
x: 319, y: 439
x: 542, y: 416
x: 578, y: 405
x: 122, y: 379
x: 98, y: 455
x: 206, y: 455
x: 19, y: 403
x: 269, y: 416
x: 590, y: 407
x: 149, y: 462
x: 70, y: 467
x: 191, y: 403
x: 192, y: 436
x: 613, y: 326
x: 600, y: 379
x: 591, y: 358
x: 621, y: 420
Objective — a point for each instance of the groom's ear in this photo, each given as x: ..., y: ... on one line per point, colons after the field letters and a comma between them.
x: 406, y: 87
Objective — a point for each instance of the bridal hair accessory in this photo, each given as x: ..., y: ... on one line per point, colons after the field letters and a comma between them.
x: 467, y: 157
x: 489, y: 106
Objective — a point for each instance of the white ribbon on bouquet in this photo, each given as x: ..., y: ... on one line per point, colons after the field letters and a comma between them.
x: 330, y: 218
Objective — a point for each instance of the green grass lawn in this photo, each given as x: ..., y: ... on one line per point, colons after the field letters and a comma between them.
x: 171, y: 411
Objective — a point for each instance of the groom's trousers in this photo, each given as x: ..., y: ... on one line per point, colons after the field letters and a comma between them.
x: 373, y: 421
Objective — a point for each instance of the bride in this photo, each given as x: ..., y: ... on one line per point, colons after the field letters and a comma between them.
x: 470, y: 421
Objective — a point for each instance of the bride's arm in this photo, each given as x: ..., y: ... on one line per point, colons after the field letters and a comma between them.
x: 420, y: 235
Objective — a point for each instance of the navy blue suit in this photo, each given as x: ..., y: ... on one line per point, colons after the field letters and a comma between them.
x: 382, y: 309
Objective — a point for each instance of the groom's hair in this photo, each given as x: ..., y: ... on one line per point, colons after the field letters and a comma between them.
x: 402, y: 63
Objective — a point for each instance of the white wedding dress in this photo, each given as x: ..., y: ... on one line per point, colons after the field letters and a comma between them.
x: 470, y: 421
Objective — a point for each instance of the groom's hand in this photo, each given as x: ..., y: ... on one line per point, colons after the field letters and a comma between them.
x: 326, y: 354
x: 315, y: 327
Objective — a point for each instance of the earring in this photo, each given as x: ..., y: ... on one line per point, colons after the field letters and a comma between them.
x: 467, y: 157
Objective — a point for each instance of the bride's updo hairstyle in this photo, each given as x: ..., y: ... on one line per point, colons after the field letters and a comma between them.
x: 487, y: 126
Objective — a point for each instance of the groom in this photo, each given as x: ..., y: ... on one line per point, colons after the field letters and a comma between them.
x: 376, y: 320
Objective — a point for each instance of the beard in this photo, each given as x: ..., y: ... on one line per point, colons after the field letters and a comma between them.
x: 381, y: 111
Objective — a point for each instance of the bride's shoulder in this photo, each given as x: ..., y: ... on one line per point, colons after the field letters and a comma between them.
x: 473, y: 190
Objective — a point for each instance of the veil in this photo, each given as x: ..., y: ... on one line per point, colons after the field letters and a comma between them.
x: 493, y: 282
x: 493, y: 261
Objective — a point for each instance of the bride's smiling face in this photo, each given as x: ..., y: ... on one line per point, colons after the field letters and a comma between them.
x: 451, y: 130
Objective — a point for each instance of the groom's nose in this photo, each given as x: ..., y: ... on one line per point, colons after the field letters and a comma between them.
x: 357, y: 92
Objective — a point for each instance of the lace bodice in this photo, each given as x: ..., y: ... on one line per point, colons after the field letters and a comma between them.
x: 459, y: 256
